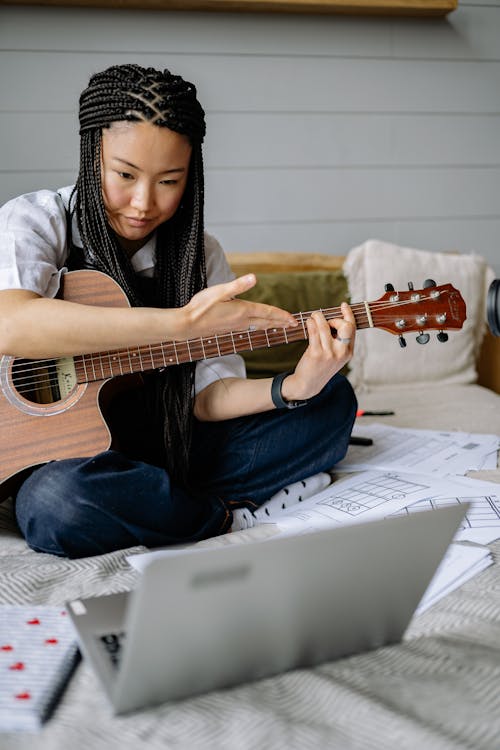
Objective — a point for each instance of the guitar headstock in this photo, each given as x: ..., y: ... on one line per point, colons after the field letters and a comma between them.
x: 428, y: 309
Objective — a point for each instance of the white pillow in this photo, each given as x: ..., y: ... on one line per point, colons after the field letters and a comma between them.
x: 378, y: 359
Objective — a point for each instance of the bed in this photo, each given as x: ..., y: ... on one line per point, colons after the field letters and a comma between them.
x: 437, y: 689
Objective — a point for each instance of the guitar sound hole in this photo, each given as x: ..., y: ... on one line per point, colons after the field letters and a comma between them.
x: 43, y: 381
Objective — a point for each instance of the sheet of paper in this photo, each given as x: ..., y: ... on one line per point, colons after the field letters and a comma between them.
x: 375, y: 494
x: 140, y: 561
x: 460, y: 564
x: 361, y: 497
x: 482, y: 522
x: 420, y: 451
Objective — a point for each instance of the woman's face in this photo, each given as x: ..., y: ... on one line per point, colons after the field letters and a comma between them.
x: 144, y: 175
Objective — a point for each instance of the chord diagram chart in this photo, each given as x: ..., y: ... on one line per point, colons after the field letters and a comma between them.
x: 483, y: 513
x: 371, y: 493
x: 412, y: 449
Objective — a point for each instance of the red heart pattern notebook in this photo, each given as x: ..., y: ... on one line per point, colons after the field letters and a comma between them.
x: 38, y: 651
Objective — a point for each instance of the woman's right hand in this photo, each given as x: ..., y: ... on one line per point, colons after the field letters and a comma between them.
x: 215, y: 310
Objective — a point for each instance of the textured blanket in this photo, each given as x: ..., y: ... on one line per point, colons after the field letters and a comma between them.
x: 437, y: 690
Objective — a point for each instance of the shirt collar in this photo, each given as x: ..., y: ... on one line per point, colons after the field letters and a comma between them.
x: 144, y: 259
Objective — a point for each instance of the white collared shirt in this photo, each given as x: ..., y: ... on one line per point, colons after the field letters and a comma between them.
x: 34, y: 249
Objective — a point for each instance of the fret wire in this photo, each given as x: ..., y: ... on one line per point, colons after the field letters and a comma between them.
x: 189, y: 351
x: 232, y: 339
x: 85, y: 368
x: 162, y: 350
x: 195, y: 350
x: 303, y: 325
x: 203, y: 348
x: 88, y: 366
x: 141, y: 365
x: 102, y: 367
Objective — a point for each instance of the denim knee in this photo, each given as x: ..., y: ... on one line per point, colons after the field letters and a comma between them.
x: 59, y: 514
x: 338, y: 404
x: 90, y: 506
x: 49, y: 510
x: 345, y: 399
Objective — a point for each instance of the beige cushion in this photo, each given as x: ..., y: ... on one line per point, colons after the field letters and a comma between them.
x: 379, y: 361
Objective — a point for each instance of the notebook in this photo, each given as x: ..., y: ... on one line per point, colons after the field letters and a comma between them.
x: 38, y: 651
x: 220, y: 617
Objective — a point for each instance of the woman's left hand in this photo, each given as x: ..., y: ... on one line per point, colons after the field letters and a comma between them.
x: 325, y: 355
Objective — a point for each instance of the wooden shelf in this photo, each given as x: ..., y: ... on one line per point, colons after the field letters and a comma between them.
x: 345, y: 7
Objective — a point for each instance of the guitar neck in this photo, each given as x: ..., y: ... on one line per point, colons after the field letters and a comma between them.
x: 104, y: 365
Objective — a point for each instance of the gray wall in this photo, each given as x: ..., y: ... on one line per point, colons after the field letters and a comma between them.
x: 323, y: 131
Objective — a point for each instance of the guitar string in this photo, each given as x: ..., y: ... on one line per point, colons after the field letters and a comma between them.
x: 329, y: 314
x: 258, y: 338
x: 122, y: 360
x: 107, y: 362
x: 102, y: 370
x: 300, y: 316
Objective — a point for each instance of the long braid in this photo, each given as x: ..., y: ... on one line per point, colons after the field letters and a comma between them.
x: 133, y: 93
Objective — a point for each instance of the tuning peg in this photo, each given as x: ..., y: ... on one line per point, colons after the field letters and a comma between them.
x: 429, y: 282
x: 423, y: 338
x: 389, y: 288
x: 442, y: 337
x: 402, y: 341
x: 410, y: 286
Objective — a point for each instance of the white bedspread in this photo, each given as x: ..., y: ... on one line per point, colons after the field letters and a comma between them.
x: 436, y: 690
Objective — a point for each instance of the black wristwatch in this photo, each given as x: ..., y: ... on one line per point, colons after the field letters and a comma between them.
x: 277, y: 397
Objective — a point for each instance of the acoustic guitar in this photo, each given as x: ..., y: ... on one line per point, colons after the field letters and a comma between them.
x: 51, y: 409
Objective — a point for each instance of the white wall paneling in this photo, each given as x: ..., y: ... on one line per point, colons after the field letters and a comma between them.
x: 323, y: 131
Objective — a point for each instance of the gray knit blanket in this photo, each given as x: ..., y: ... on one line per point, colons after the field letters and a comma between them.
x: 438, y: 689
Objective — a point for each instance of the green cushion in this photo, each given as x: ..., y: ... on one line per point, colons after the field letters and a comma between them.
x: 300, y: 291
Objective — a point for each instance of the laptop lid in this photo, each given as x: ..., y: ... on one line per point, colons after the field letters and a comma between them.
x: 220, y: 617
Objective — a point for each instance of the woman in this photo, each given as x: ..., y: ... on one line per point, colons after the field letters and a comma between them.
x: 191, y: 442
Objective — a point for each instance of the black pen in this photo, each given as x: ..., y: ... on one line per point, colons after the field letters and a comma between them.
x: 363, y: 413
x: 360, y: 441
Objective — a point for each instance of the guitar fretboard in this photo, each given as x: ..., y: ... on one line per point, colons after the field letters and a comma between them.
x: 104, y: 365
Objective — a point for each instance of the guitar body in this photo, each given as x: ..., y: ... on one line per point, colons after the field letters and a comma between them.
x: 71, y: 426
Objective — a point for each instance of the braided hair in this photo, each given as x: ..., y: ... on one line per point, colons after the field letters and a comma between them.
x: 133, y: 93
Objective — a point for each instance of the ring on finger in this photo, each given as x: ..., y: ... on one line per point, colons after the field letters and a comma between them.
x: 343, y: 340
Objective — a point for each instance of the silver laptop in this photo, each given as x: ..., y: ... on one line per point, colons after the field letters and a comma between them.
x: 223, y: 616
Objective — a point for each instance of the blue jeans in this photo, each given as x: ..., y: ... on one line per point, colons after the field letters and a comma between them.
x: 89, y: 506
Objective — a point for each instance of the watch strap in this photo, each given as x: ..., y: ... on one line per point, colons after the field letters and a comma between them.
x: 277, y: 396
